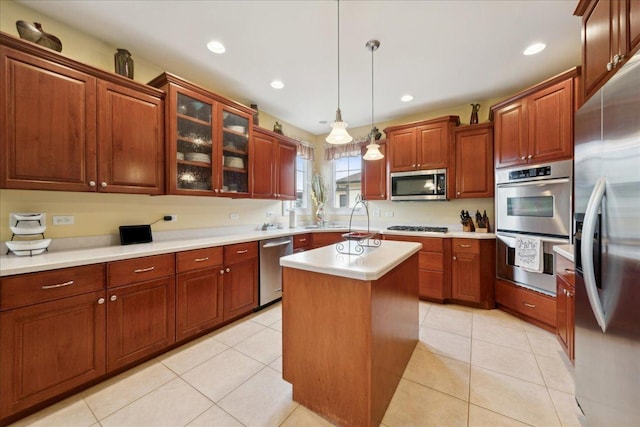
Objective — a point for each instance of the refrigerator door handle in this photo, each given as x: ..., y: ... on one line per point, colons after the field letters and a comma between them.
x: 588, y: 271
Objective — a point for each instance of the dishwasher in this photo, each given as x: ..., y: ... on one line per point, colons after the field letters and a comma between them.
x: 270, y: 271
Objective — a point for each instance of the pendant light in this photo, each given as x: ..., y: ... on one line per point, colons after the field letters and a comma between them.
x: 373, y: 149
x: 339, y: 134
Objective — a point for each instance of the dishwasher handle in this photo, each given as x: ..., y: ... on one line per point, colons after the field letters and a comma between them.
x: 275, y: 244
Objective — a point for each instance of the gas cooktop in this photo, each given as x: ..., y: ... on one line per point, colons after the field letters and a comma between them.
x: 418, y: 228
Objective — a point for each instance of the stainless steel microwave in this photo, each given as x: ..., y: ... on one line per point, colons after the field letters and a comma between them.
x: 419, y: 185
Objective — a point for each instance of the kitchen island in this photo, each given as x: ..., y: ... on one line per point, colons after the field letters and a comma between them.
x: 349, y: 327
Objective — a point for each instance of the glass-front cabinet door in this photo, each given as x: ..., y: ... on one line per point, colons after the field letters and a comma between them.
x: 235, y: 151
x: 195, y: 167
x: 208, y: 141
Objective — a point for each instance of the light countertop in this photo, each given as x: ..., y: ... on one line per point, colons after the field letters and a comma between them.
x: 564, y: 250
x: 374, y: 262
x: 54, y: 259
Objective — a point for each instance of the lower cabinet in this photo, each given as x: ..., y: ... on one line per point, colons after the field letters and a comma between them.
x: 473, y: 272
x: 434, y: 277
x: 140, y: 308
x: 532, y: 306
x: 302, y: 242
x: 240, y: 279
x: 321, y: 239
x: 566, y: 305
x: 198, y: 291
x: 52, y: 335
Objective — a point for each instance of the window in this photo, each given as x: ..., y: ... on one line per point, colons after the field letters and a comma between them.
x: 302, y: 182
x: 346, y: 178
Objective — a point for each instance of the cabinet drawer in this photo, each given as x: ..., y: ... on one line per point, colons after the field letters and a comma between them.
x: 565, y: 269
x: 527, y: 302
x: 198, y: 259
x: 301, y: 241
x: 140, y: 269
x: 326, y: 238
x: 32, y: 288
x: 430, y: 261
x: 428, y: 244
x: 470, y: 246
x: 240, y: 252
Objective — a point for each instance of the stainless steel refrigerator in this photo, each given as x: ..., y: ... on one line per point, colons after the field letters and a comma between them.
x: 607, y: 251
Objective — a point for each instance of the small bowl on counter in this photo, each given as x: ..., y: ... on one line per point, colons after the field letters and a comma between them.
x: 28, y: 247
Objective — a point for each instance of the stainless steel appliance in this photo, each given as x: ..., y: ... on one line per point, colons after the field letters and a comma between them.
x: 419, y: 185
x: 270, y: 271
x: 532, y: 201
x: 607, y: 251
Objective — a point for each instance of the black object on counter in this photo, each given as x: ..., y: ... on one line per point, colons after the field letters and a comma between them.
x: 130, y: 234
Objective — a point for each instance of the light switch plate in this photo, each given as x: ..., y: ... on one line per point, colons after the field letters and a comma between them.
x: 63, y: 219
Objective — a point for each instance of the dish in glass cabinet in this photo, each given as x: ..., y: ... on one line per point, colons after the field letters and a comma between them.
x: 239, y: 129
x: 198, y: 157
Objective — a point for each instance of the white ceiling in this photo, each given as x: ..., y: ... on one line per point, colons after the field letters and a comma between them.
x: 444, y: 53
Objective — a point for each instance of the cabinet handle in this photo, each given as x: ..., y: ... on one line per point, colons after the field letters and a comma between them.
x: 413, y: 165
x: 113, y: 297
x: 228, y: 270
x: 465, y: 246
x: 222, y: 271
x: 216, y: 190
x: 92, y: 183
x: 58, y: 285
x: 201, y: 259
x: 242, y: 251
x: 100, y: 300
x: 522, y: 158
x: 609, y: 66
x: 529, y: 305
x: 454, y: 258
x: 144, y: 270
x: 458, y: 193
x: 617, y: 59
x: 103, y: 184
x: 529, y: 156
x: 569, y: 270
x: 221, y: 190
x: 419, y: 165
x: 303, y: 240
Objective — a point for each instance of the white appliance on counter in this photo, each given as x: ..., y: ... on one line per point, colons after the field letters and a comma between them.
x: 270, y: 271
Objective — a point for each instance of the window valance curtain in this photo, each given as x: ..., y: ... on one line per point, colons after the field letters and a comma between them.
x: 306, y: 150
x: 332, y: 152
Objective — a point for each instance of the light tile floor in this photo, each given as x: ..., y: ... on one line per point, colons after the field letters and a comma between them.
x: 470, y: 368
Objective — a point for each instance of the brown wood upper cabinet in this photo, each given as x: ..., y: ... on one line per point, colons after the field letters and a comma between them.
x: 421, y: 145
x: 374, y: 175
x: 274, y: 165
x: 208, y: 141
x: 68, y: 126
x: 536, y: 125
x: 474, y: 161
x: 610, y: 36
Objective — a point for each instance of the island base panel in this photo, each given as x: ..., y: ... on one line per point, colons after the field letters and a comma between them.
x: 346, y: 342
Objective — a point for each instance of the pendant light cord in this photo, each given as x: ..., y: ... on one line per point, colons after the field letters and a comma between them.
x: 338, y: 55
x: 372, y: 135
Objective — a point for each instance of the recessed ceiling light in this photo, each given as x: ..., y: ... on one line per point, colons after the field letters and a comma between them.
x: 534, y: 48
x: 277, y: 84
x: 406, y: 98
x: 216, y: 47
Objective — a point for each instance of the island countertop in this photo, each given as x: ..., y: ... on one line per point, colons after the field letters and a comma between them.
x: 372, y: 264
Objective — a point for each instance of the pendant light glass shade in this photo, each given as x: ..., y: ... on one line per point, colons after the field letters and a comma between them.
x: 373, y: 152
x: 373, y: 149
x: 339, y: 134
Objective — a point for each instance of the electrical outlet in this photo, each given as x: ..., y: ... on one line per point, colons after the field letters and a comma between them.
x: 388, y: 214
x: 171, y: 218
x: 376, y: 212
x: 63, y: 220
x: 234, y: 216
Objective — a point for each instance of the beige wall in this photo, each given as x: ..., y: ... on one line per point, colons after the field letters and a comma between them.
x: 99, y: 214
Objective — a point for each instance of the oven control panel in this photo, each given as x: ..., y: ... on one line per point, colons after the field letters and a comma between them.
x: 530, y: 173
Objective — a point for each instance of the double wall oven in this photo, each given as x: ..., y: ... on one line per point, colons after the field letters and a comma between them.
x: 533, y: 201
